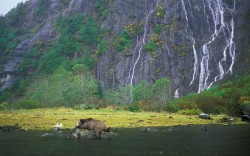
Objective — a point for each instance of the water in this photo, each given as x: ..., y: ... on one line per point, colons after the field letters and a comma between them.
x: 217, y: 140
x: 140, y: 50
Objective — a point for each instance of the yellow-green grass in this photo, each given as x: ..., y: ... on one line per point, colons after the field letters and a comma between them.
x: 45, y: 119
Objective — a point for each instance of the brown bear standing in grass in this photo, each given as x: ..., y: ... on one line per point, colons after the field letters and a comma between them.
x: 92, y: 124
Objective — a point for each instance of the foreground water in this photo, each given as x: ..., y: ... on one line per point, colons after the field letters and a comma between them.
x: 181, y: 140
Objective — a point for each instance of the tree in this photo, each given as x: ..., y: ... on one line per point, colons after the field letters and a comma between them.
x: 161, y: 90
x: 142, y: 92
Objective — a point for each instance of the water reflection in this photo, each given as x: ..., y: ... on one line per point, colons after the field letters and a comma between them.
x: 178, y: 140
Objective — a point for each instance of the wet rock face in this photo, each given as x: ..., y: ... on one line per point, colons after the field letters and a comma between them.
x: 198, y: 45
x: 199, y: 42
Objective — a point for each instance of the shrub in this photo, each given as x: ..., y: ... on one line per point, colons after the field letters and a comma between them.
x: 4, y: 95
x: 42, y: 7
x: 89, y: 32
x: 133, y: 108
x: 190, y: 111
x: 160, y: 11
x: 134, y: 29
x: 101, y: 49
x: 64, y: 88
x: 26, y: 104
x: 158, y: 28
x: 4, y: 106
x: 102, y: 7
x: 16, y: 14
x: 124, y: 42
x: 172, y: 106
x: 151, y: 46
x: 153, y: 43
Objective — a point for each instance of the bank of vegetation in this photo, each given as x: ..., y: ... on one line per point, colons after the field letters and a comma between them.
x: 78, y: 89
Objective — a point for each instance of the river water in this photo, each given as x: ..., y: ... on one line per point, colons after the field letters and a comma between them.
x: 195, y: 140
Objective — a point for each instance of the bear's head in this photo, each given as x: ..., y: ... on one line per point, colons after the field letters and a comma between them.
x: 82, y: 121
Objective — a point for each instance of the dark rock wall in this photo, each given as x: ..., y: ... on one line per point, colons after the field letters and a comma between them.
x: 200, y: 43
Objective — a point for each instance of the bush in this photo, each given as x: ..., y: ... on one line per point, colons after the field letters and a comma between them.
x: 4, y: 95
x: 151, y: 46
x: 26, y: 104
x: 64, y: 88
x: 172, y: 106
x: 190, y: 111
x: 102, y: 7
x: 4, y: 106
x: 42, y: 7
x: 133, y: 108
x: 16, y: 14
x: 245, y: 104
x: 124, y: 42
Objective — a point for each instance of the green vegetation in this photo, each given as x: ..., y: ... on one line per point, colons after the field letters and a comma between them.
x: 134, y: 29
x: 160, y: 11
x: 158, y: 28
x: 30, y: 61
x: 226, y: 98
x: 146, y: 97
x: 102, y: 7
x: 90, y: 31
x: 79, y: 90
x: 124, y: 42
x: 102, y: 47
x: 80, y: 39
x: 43, y: 6
x: 153, y: 44
x: 15, y: 15
x: 64, y: 88
x: 8, y: 36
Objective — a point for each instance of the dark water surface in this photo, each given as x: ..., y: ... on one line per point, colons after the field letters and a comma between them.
x: 183, y: 140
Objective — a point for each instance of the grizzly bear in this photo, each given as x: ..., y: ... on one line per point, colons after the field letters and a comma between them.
x: 92, y: 124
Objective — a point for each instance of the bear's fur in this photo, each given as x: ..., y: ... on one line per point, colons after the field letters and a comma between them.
x: 92, y: 124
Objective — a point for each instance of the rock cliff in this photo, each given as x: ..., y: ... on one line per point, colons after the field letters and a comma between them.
x: 194, y: 43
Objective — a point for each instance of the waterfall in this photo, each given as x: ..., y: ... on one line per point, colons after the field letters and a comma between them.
x: 222, y: 27
x: 217, y: 10
x: 176, y: 94
x: 204, y: 6
x: 195, y: 69
x: 140, y: 50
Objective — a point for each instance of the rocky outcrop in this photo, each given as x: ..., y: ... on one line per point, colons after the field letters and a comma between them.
x: 10, y: 70
x: 90, y: 134
x: 16, y: 127
x: 198, y: 42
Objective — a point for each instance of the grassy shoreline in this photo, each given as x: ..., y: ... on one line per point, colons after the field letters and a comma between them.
x: 45, y: 119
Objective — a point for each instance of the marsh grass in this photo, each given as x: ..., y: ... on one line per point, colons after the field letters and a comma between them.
x: 45, y: 119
